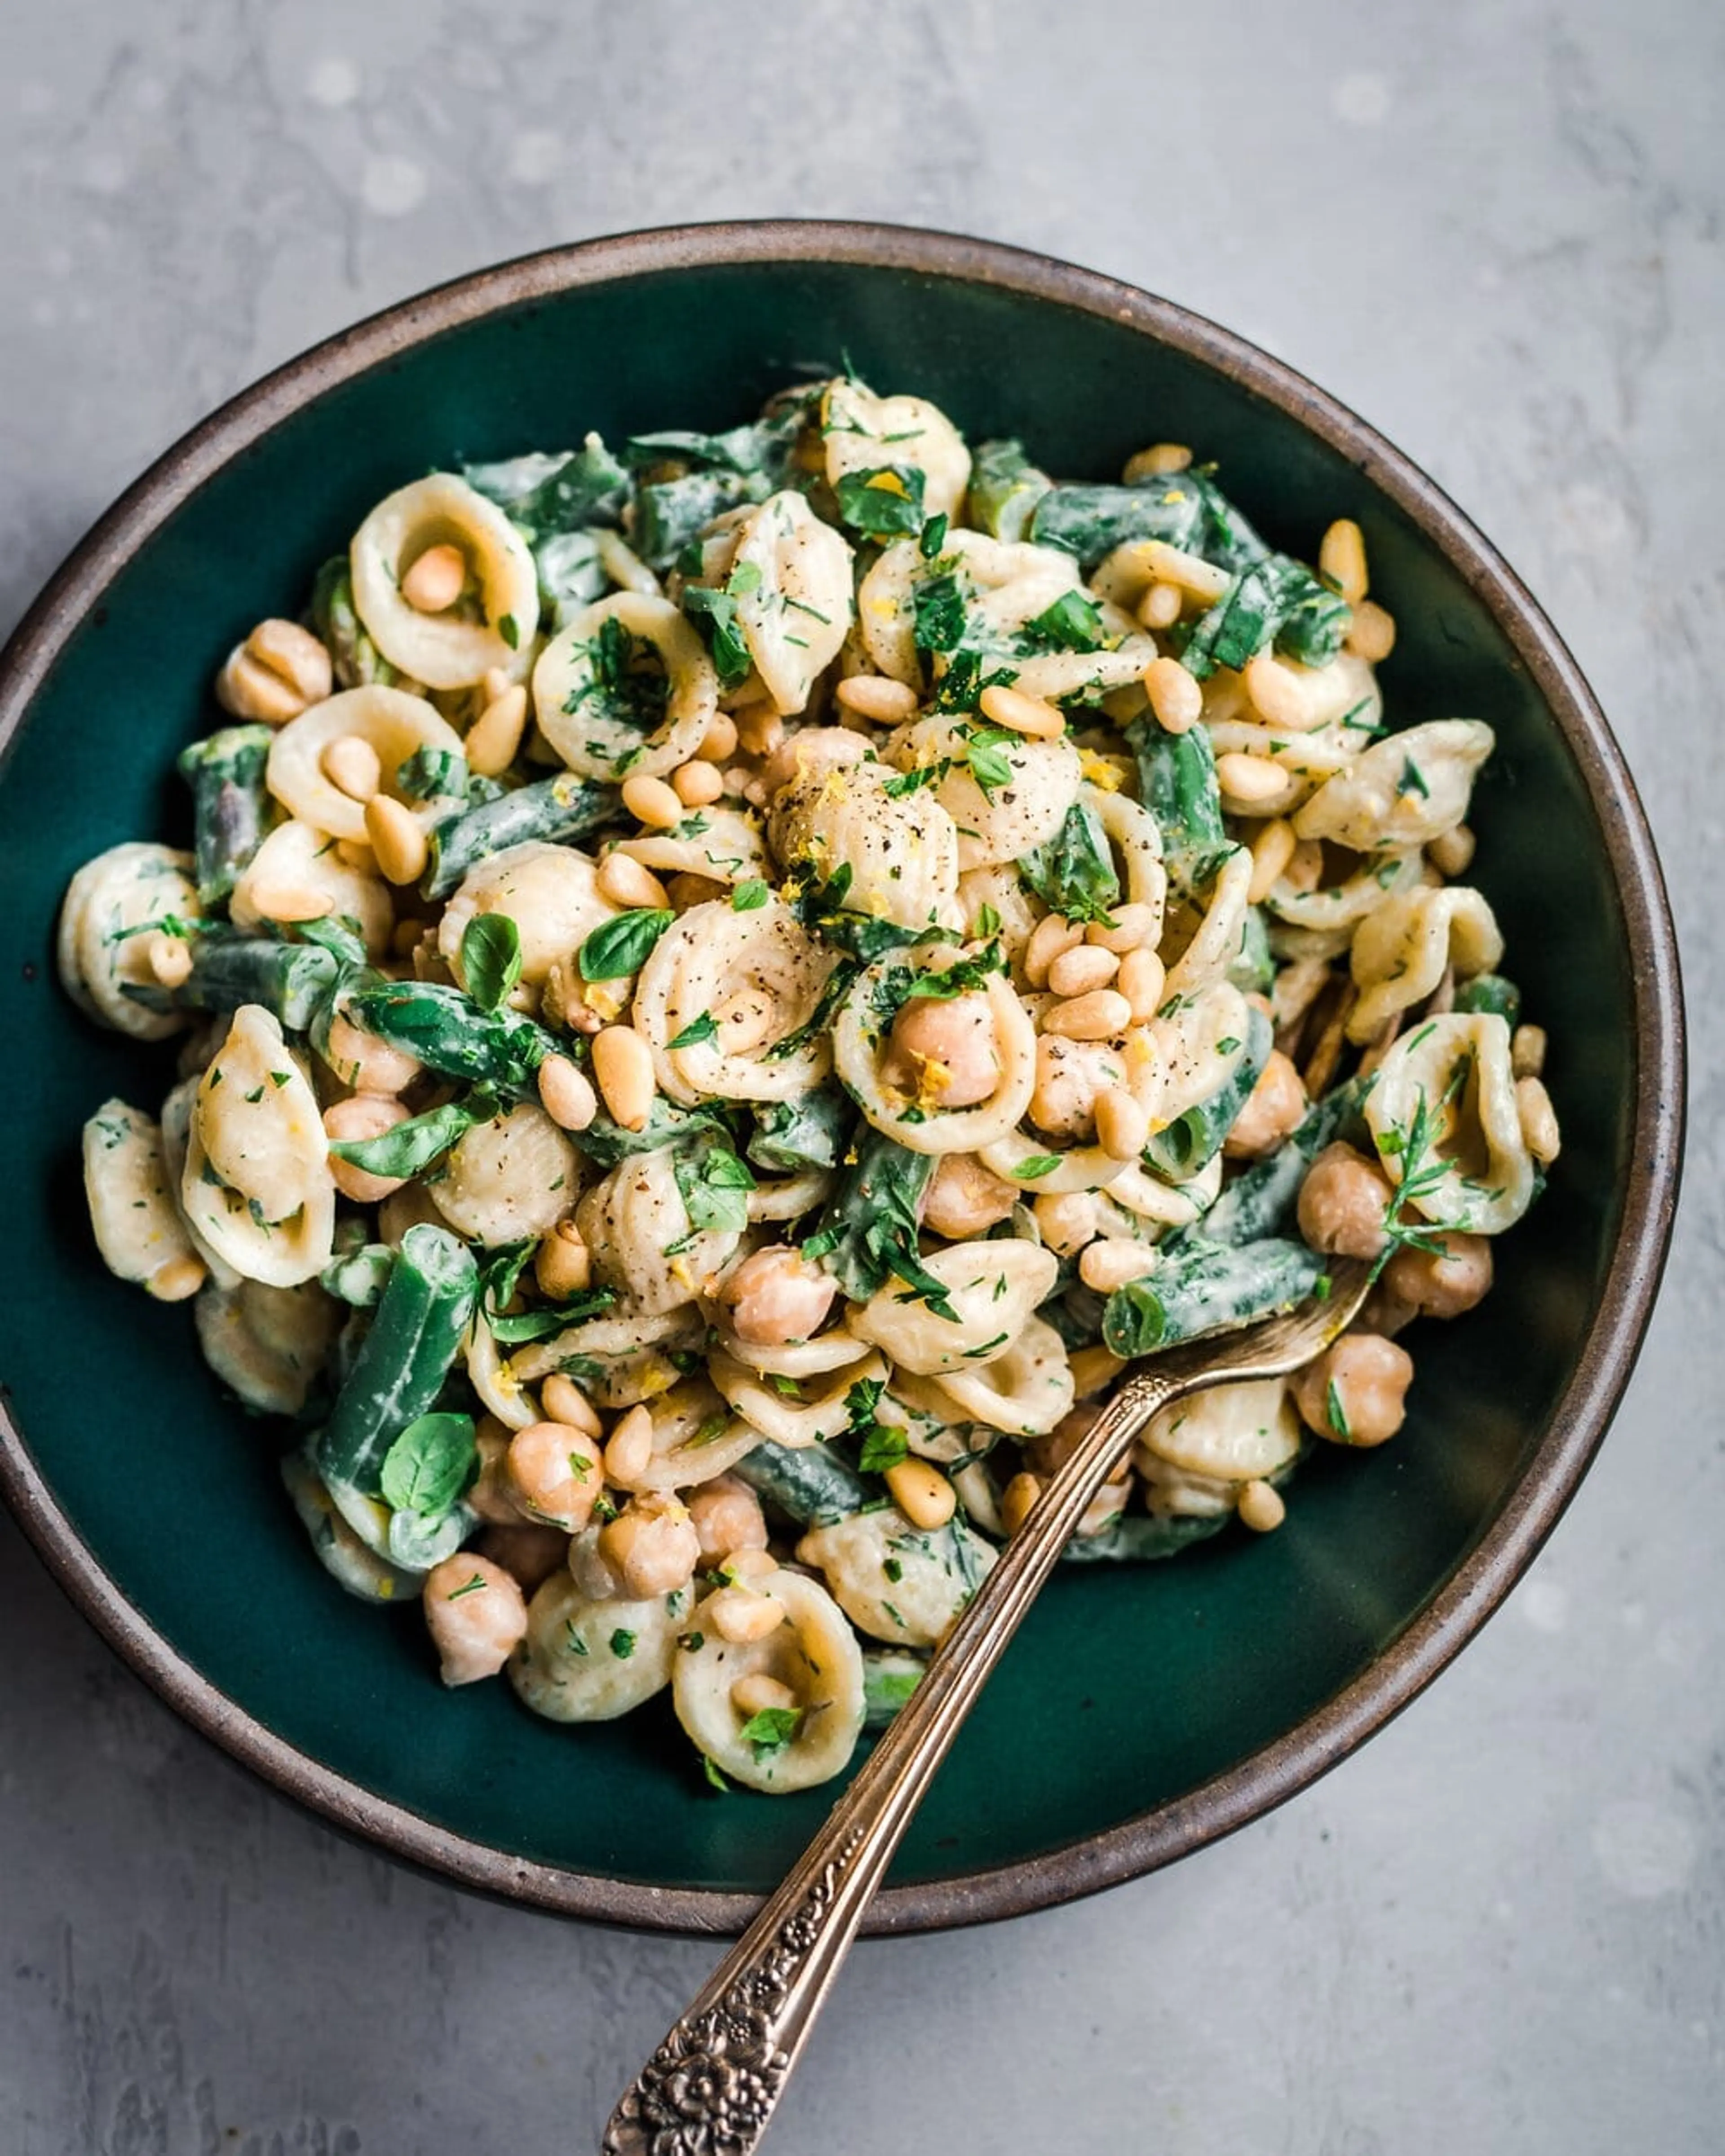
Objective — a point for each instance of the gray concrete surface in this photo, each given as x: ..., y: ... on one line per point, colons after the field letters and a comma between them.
x: 1494, y: 228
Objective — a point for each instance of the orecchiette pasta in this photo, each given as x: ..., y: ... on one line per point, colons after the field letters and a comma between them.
x: 897, y: 853
x: 494, y: 620
x: 129, y: 1185
x: 114, y: 909
x: 795, y: 607
x: 509, y: 1178
x: 1402, y: 792
x: 894, y: 1582
x: 296, y: 875
x: 392, y: 724
x: 760, y: 976
x: 587, y: 1661
x: 626, y: 689
x: 1454, y: 1072
x: 1401, y: 948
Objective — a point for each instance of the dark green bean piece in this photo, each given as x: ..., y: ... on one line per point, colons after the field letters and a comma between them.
x: 231, y: 811
x: 552, y: 809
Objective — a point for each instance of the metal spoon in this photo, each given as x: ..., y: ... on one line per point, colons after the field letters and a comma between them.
x: 712, y: 2086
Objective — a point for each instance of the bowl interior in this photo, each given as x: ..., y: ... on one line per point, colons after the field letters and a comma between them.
x: 1128, y: 1688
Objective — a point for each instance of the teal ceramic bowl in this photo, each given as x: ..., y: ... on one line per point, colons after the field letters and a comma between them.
x: 1141, y: 1713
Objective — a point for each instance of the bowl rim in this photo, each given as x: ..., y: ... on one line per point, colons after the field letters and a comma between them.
x: 1549, y: 1477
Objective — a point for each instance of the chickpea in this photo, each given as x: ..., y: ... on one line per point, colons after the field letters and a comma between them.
x: 476, y: 1615
x: 365, y: 1115
x: 725, y: 1514
x: 1355, y: 1393
x: 552, y: 1473
x: 1272, y: 1108
x: 964, y: 1198
x: 1067, y: 1221
x: 944, y: 1049
x: 774, y: 1297
x: 365, y: 1060
x: 1445, y: 1282
x: 528, y: 1554
x: 652, y: 1545
x: 810, y: 754
x: 1343, y: 1203
x: 562, y: 1265
x: 1070, y: 1074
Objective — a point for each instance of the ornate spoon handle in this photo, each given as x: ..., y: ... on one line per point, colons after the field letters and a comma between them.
x: 711, y: 2086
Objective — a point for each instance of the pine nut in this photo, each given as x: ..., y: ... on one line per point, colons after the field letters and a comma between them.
x: 1527, y: 1051
x: 629, y: 1451
x: 1093, y: 1368
x: 563, y: 1401
x: 1018, y: 1500
x: 434, y: 583
x: 1190, y: 573
x: 1142, y: 979
x: 1085, y: 967
x: 356, y: 854
x: 169, y: 960
x: 739, y: 1615
x: 565, y: 1094
x: 921, y: 1493
x: 1372, y: 635
x: 1272, y: 850
x: 1097, y: 1016
x: 744, y: 1021
x: 650, y: 801
x: 1451, y: 852
x: 1113, y: 1260
x: 696, y: 785
x: 1023, y: 713
x: 1275, y: 693
x: 1049, y: 939
x: 291, y: 901
x: 622, y: 1066
x: 1159, y: 461
x: 280, y: 671
x: 1342, y: 557
x: 178, y: 1279
x: 1261, y: 1508
x: 495, y: 737
x: 1538, y: 1120
x: 1123, y: 1124
x: 743, y: 1566
x: 757, y: 1693
x: 352, y: 764
x: 396, y: 838
x: 1160, y: 606
x: 1249, y: 778
x: 494, y: 683
x: 1135, y: 924
x: 718, y: 744
x: 1174, y: 695
x: 873, y: 696
x: 760, y: 730
x: 623, y: 881
x: 562, y: 1265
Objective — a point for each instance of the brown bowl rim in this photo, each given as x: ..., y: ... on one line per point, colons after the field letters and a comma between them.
x: 1485, y: 1577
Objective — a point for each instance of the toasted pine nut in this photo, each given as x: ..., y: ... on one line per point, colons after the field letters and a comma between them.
x: 1097, y: 1016
x: 1527, y: 1051
x: 1160, y: 606
x: 563, y: 1401
x: 351, y: 763
x: 565, y: 1094
x: 1272, y: 848
x: 1172, y: 565
x: 1451, y: 852
x: 1024, y: 715
x: 280, y: 671
x: 169, y: 959
x: 757, y: 1693
x: 1342, y: 557
x: 1123, y: 1124
x: 1174, y: 695
x: 1052, y: 935
x: 696, y: 784
x: 921, y: 1493
x: 1159, y: 461
x: 1135, y: 924
x: 1261, y: 1508
x: 396, y: 838
x: 1372, y: 635
x: 178, y: 1279
x: 650, y: 801
x: 718, y: 744
x: 760, y: 730
x: 629, y: 1451
x: 1275, y: 692
x: 1538, y: 1120
x: 1018, y: 1500
x: 433, y: 583
x: 888, y: 703
x: 744, y: 1566
x: 1141, y: 980
x: 622, y: 1066
x: 739, y: 1615
x: 495, y: 737
x: 494, y: 683
x: 1113, y: 1260
x: 1249, y: 778
x: 627, y: 883
x: 744, y: 1021
x: 291, y: 901
x: 363, y: 1115
x: 1092, y: 1368
x: 562, y: 1265
x: 1085, y: 967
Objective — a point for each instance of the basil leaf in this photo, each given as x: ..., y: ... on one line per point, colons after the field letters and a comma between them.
x: 714, y: 615
x: 772, y: 1729
x: 1074, y: 873
x: 883, y: 503
x: 1073, y: 623
x: 1039, y: 1164
x: 501, y: 1272
x: 934, y: 537
x: 541, y: 1324
x: 427, y: 1468
x: 883, y: 1447
x: 704, y: 1028
x: 491, y: 958
x: 411, y: 1147
x: 715, y: 1186
x: 990, y: 766
x: 622, y: 945
x: 745, y: 897
x: 429, y: 773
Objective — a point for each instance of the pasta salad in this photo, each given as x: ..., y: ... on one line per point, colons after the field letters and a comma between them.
x: 724, y: 991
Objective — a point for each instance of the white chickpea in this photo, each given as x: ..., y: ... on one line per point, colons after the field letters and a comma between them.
x: 553, y: 1475
x: 1343, y: 1203
x: 964, y: 1198
x: 652, y: 1545
x: 944, y: 1050
x: 530, y: 1555
x: 808, y: 754
x: 476, y: 1615
x: 1445, y: 1282
x: 1069, y: 1075
x: 1067, y: 1221
x: 1272, y: 1109
x: 726, y: 1517
x: 365, y: 1060
x: 775, y: 1296
x: 365, y: 1115
x: 1356, y: 1392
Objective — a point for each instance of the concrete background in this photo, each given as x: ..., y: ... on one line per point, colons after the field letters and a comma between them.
x: 1494, y: 228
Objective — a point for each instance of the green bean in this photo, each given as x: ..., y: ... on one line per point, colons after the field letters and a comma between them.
x: 1005, y: 487
x: 231, y: 810
x: 671, y: 512
x: 868, y: 1228
x: 358, y: 1277
x: 547, y: 495
x: 1186, y: 1144
x: 1492, y: 992
x: 552, y: 809
x: 809, y: 1483
x: 1198, y: 1289
x: 293, y: 980
x: 1252, y: 970
x: 1177, y: 784
x: 450, y: 1034
x: 1272, y: 599
x: 1091, y: 521
x: 1140, y: 1538
x: 1260, y: 1200
x: 335, y: 619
